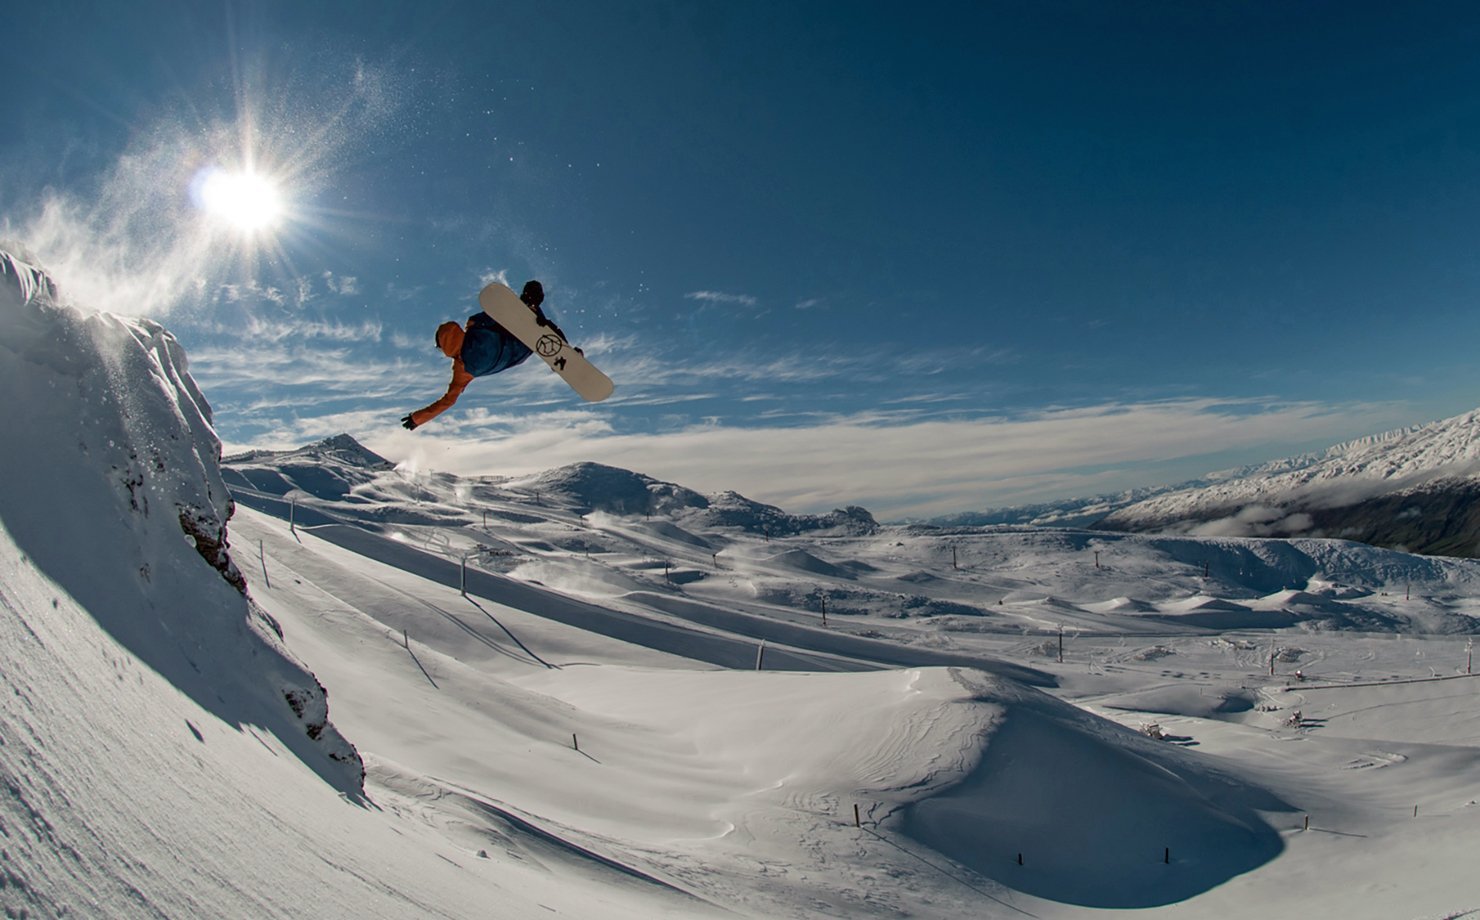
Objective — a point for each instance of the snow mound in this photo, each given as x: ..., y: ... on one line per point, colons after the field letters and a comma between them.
x: 1194, y: 702
x: 675, y: 534
x: 1294, y: 598
x: 975, y: 767
x: 1122, y: 605
x: 1094, y: 809
x: 1201, y: 603
x: 1217, y: 613
x: 802, y: 561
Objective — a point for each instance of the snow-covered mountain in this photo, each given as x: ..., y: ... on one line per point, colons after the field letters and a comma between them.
x: 128, y: 634
x: 1414, y: 488
x: 590, y: 693
x: 341, y: 468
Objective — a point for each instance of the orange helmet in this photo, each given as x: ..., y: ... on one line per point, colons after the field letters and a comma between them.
x: 450, y: 339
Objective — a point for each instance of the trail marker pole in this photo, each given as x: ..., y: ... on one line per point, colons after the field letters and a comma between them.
x: 575, y: 742
x: 292, y: 513
x: 1061, y: 644
x: 760, y: 654
x: 463, y: 581
x: 857, y: 821
x: 262, y: 552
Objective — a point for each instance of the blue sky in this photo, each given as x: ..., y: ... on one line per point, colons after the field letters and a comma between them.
x: 925, y: 257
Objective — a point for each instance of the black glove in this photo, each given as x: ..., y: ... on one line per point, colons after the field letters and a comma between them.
x: 407, y: 423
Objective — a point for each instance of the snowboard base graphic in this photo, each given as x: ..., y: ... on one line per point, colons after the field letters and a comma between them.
x: 501, y: 303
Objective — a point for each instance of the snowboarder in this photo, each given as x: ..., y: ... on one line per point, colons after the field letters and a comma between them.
x: 482, y: 348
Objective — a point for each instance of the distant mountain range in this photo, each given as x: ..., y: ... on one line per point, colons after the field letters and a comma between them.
x: 342, y: 469
x: 1414, y: 488
x: 1089, y: 511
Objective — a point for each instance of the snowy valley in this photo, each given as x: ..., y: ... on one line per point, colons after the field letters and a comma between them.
x: 314, y: 683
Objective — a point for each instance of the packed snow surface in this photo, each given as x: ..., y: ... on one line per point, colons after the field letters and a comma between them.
x: 592, y: 694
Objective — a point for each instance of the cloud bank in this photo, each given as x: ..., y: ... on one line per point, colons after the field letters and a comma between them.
x: 896, y: 469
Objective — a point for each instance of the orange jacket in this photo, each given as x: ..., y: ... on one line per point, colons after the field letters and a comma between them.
x: 450, y: 340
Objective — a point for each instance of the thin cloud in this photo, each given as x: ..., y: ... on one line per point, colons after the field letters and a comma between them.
x: 255, y: 332
x: 343, y: 285
x: 632, y: 362
x: 489, y: 276
x: 718, y: 297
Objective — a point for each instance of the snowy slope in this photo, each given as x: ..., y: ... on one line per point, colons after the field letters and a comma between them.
x: 1408, y: 487
x: 965, y: 771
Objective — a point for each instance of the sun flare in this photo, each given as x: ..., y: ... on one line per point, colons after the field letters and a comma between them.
x: 247, y: 201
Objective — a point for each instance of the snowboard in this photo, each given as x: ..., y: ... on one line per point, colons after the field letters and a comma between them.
x: 501, y: 303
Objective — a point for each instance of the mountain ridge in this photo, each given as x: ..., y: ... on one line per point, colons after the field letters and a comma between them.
x: 1412, y: 488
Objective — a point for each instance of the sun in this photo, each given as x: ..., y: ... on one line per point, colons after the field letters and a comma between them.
x: 247, y: 201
